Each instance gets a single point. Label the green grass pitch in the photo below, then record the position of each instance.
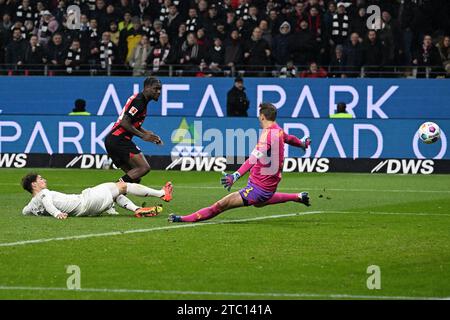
(400, 223)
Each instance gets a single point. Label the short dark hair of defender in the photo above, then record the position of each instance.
(268, 110)
(28, 180)
(150, 81)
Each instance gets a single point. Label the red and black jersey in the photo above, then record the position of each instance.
(136, 109)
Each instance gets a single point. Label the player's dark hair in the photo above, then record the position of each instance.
(268, 110)
(151, 81)
(28, 180)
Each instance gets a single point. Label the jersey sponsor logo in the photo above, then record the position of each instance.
(258, 154)
(217, 164)
(306, 165)
(133, 111)
(13, 160)
(404, 166)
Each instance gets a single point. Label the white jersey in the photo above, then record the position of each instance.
(92, 201)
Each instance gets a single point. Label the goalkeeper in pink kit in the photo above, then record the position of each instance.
(265, 165)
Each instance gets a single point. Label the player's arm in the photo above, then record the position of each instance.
(296, 142)
(144, 131)
(46, 198)
(145, 135)
(27, 210)
(260, 150)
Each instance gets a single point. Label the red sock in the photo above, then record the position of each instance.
(203, 214)
(283, 197)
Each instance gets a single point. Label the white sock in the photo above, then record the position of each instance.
(143, 191)
(126, 203)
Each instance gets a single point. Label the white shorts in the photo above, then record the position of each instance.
(95, 200)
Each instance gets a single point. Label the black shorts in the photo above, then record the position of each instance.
(120, 149)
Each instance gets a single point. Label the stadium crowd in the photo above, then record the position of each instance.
(284, 38)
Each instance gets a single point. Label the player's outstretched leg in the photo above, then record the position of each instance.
(166, 193)
(279, 197)
(233, 200)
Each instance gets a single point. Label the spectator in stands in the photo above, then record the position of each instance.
(233, 50)
(280, 44)
(138, 61)
(299, 16)
(15, 51)
(338, 63)
(80, 108)
(173, 21)
(427, 59)
(110, 16)
(124, 9)
(179, 39)
(212, 20)
(301, 45)
(100, 16)
(444, 51)
(354, 53)
(253, 18)
(6, 23)
(190, 54)
(341, 112)
(129, 39)
(327, 24)
(289, 71)
(114, 32)
(266, 32)
(237, 101)
(193, 23)
(161, 56)
(34, 57)
(216, 56)
(24, 11)
(125, 24)
(221, 31)
(339, 31)
(143, 8)
(203, 40)
(373, 55)
(107, 52)
(314, 71)
(390, 37)
(47, 27)
(56, 54)
(256, 53)
(358, 23)
(29, 29)
(75, 58)
(274, 21)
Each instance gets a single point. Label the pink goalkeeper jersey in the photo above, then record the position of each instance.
(269, 157)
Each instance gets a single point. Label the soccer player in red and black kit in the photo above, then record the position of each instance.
(119, 145)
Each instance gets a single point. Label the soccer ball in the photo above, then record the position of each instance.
(429, 132)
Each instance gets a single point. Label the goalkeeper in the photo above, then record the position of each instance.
(265, 165)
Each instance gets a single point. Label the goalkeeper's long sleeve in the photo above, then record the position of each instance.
(293, 140)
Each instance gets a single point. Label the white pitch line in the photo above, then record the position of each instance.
(235, 294)
(178, 226)
(192, 225)
(393, 213)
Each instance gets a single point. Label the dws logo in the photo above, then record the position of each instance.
(306, 165)
(16, 160)
(405, 166)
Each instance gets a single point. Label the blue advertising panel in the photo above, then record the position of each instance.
(206, 97)
(340, 138)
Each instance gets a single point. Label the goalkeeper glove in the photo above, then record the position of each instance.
(228, 179)
(306, 141)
